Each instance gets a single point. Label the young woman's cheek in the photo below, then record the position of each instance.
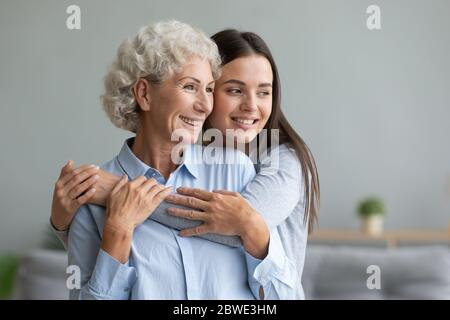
(221, 112)
(265, 110)
(217, 119)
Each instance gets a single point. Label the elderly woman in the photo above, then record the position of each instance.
(162, 83)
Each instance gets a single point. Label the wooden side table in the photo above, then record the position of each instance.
(391, 237)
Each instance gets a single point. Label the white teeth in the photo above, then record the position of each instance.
(244, 121)
(189, 121)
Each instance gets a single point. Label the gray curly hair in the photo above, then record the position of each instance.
(155, 53)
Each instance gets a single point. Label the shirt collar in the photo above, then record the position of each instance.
(134, 167)
(131, 164)
(192, 157)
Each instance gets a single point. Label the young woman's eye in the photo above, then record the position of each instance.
(264, 93)
(234, 91)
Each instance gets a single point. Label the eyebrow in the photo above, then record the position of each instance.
(195, 79)
(267, 84)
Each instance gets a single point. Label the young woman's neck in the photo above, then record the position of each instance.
(154, 151)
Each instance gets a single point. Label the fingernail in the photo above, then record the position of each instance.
(92, 190)
(96, 177)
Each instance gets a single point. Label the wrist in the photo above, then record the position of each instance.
(116, 241)
(251, 221)
(57, 225)
(118, 227)
(256, 237)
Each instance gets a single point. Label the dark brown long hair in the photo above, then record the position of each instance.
(233, 44)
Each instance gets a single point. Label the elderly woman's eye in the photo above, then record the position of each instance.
(189, 87)
(210, 90)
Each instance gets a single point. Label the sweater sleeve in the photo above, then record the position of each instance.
(160, 215)
(273, 193)
(277, 188)
(63, 235)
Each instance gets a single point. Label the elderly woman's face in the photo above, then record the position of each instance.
(182, 102)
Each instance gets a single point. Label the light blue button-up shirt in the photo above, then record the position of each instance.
(164, 265)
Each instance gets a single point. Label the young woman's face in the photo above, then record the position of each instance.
(243, 97)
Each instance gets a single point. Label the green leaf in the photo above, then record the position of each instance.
(8, 268)
(371, 206)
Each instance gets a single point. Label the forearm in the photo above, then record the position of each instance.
(256, 236)
(160, 215)
(59, 222)
(117, 242)
(108, 181)
(101, 275)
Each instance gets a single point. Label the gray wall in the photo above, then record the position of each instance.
(373, 105)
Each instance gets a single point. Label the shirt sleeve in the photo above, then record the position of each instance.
(100, 275)
(274, 277)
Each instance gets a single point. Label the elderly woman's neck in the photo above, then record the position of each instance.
(155, 153)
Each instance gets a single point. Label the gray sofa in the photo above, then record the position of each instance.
(330, 272)
(42, 276)
(340, 272)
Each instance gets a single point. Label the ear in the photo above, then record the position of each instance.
(141, 91)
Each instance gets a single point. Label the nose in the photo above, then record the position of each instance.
(249, 103)
(204, 103)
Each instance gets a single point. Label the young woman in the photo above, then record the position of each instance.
(286, 193)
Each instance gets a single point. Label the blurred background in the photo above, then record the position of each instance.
(373, 105)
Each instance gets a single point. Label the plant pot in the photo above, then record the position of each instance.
(373, 224)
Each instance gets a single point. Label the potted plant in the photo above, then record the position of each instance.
(8, 268)
(371, 210)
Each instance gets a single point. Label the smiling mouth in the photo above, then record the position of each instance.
(246, 122)
(190, 121)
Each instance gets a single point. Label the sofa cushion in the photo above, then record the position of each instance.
(42, 275)
(336, 272)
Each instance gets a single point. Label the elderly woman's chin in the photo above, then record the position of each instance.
(188, 130)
